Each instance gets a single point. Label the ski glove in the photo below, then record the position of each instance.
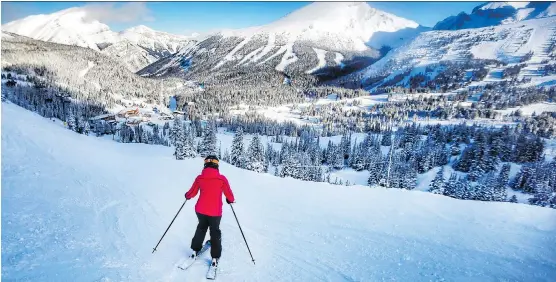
(228, 201)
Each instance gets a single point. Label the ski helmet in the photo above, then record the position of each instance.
(211, 161)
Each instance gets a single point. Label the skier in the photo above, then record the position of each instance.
(209, 207)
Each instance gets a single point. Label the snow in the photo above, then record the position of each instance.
(70, 26)
(486, 50)
(97, 220)
(425, 179)
(528, 110)
(230, 56)
(334, 25)
(137, 47)
(354, 177)
(338, 59)
(288, 58)
(267, 48)
(549, 12)
(287, 113)
(497, 5)
(321, 54)
(90, 65)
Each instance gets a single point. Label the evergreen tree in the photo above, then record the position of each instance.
(208, 143)
(450, 188)
(237, 156)
(543, 194)
(70, 120)
(189, 145)
(179, 143)
(438, 184)
(387, 138)
(358, 158)
(255, 155)
(177, 125)
(87, 128)
(513, 199)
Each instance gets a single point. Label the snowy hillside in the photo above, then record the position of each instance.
(137, 47)
(321, 34)
(141, 46)
(67, 219)
(435, 52)
(495, 13)
(70, 27)
(83, 74)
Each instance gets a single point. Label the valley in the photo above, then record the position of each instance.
(427, 152)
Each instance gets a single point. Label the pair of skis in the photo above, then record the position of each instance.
(211, 274)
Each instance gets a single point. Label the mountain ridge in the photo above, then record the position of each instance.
(73, 26)
(497, 13)
(318, 36)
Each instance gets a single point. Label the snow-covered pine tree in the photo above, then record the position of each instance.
(70, 120)
(450, 187)
(177, 125)
(87, 128)
(291, 166)
(386, 138)
(179, 143)
(486, 189)
(189, 145)
(437, 185)
(237, 155)
(358, 158)
(208, 143)
(144, 136)
(338, 157)
(543, 195)
(255, 155)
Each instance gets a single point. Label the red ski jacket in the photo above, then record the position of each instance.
(212, 184)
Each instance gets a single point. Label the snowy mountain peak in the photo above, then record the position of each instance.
(71, 26)
(343, 25)
(137, 47)
(348, 18)
(498, 5)
(140, 29)
(497, 13)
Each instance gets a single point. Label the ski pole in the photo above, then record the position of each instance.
(169, 225)
(242, 234)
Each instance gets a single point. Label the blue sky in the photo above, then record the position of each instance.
(188, 17)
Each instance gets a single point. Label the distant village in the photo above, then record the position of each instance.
(137, 114)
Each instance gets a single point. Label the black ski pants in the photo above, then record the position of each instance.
(205, 222)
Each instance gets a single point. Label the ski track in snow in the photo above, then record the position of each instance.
(81, 208)
(289, 57)
(267, 48)
(230, 56)
(321, 55)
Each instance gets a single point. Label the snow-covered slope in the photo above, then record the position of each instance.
(495, 13)
(82, 73)
(509, 43)
(81, 208)
(291, 43)
(141, 46)
(71, 27)
(136, 47)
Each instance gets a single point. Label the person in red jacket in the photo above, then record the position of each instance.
(209, 206)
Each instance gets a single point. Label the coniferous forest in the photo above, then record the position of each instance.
(468, 161)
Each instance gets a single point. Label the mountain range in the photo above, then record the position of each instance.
(496, 13)
(136, 47)
(323, 41)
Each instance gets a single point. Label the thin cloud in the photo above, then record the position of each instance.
(125, 13)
